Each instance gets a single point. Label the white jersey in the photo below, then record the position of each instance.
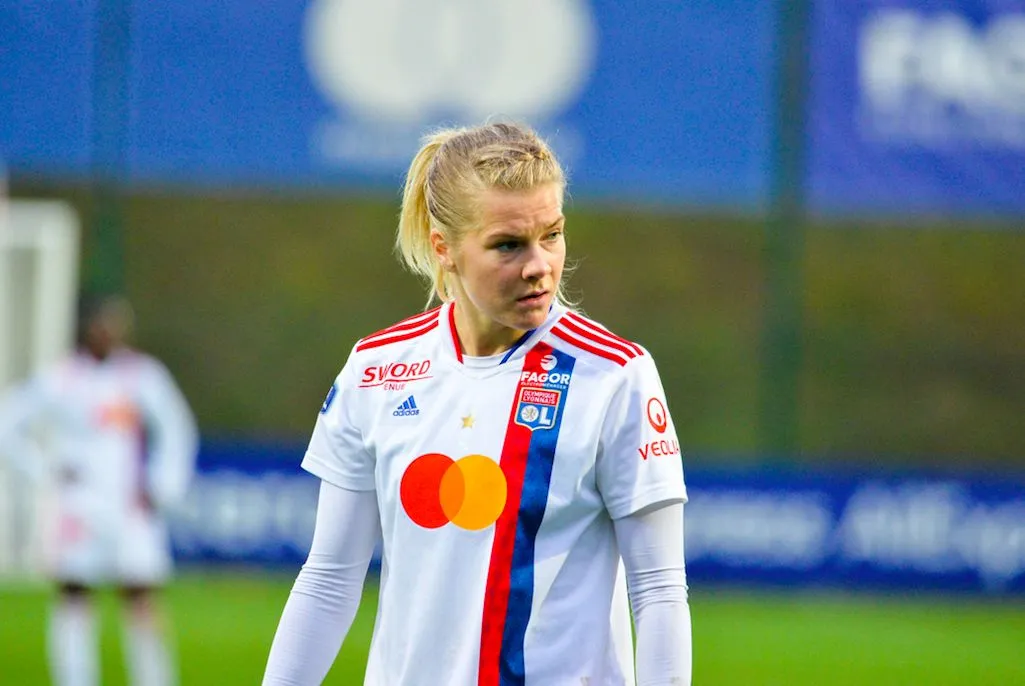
(121, 443)
(498, 479)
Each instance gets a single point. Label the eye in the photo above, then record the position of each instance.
(506, 246)
(554, 235)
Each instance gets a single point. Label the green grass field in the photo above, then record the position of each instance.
(224, 624)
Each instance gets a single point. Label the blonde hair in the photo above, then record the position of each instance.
(446, 180)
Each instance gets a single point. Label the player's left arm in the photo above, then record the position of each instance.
(651, 543)
(172, 438)
(640, 477)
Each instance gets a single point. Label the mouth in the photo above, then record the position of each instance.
(535, 298)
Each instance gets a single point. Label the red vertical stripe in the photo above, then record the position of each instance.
(496, 593)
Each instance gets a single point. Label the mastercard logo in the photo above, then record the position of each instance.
(469, 492)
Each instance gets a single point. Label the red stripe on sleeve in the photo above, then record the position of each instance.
(607, 341)
(584, 321)
(378, 342)
(583, 345)
(404, 325)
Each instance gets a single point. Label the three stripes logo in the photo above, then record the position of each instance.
(408, 408)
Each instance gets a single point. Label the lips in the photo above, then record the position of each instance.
(533, 297)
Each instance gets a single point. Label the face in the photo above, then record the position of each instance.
(508, 270)
(107, 329)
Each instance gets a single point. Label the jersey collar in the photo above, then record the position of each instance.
(517, 351)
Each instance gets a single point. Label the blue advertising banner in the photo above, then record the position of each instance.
(253, 505)
(917, 106)
(249, 504)
(662, 101)
(895, 532)
(46, 81)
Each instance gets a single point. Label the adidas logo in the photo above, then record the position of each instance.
(408, 408)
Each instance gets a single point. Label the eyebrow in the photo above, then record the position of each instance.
(512, 233)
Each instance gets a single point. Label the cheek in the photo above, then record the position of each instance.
(558, 260)
(502, 278)
(486, 278)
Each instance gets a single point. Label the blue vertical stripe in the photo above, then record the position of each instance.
(533, 500)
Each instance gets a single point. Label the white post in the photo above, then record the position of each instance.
(5, 286)
(7, 485)
(42, 300)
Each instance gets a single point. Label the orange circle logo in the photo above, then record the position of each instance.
(657, 415)
(469, 492)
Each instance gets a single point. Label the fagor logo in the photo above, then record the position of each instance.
(940, 80)
(424, 60)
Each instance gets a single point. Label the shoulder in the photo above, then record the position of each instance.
(132, 360)
(395, 353)
(135, 366)
(594, 344)
(408, 329)
(67, 370)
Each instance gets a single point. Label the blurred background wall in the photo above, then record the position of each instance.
(811, 213)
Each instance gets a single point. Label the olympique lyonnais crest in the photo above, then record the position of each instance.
(536, 408)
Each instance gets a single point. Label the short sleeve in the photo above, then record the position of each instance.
(639, 461)
(337, 453)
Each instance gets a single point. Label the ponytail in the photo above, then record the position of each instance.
(415, 220)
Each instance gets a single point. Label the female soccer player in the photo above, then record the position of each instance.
(508, 453)
(122, 441)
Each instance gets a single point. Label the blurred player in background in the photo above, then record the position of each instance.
(115, 432)
(510, 453)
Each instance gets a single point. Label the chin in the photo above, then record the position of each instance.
(524, 318)
(533, 319)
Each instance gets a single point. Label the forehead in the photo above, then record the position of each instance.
(521, 210)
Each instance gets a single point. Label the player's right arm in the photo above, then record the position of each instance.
(326, 594)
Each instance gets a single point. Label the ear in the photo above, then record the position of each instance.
(443, 251)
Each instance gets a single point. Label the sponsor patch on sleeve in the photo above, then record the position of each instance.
(329, 399)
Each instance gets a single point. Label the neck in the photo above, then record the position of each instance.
(99, 352)
(98, 355)
(481, 337)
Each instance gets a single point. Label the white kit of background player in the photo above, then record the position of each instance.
(114, 430)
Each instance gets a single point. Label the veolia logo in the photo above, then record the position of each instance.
(657, 415)
(420, 60)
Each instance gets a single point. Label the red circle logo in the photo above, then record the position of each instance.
(657, 416)
(469, 492)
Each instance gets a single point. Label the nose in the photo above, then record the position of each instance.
(536, 265)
